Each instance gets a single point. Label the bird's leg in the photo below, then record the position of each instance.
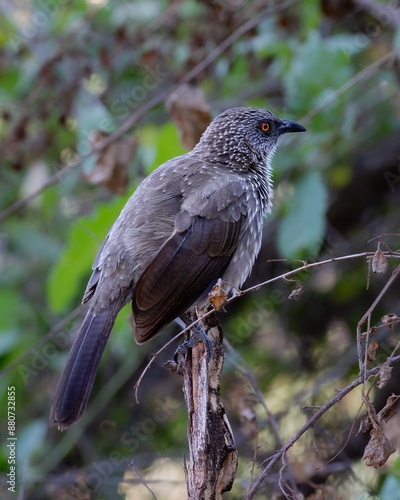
(199, 335)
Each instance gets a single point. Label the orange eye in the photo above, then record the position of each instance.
(265, 127)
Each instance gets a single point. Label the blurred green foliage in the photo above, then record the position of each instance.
(69, 67)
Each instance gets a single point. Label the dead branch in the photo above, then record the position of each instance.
(246, 371)
(140, 477)
(363, 357)
(361, 75)
(49, 335)
(135, 117)
(339, 396)
(239, 293)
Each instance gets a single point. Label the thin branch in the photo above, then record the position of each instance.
(339, 396)
(143, 110)
(247, 372)
(361, 75)
(311, 265)
(281, 481)
(386, 14)
(153, 357)
(240, 293)
(367, 316)
(142, 481)
(347, 439)
(59, 326)
(102, 399)
(254, 459)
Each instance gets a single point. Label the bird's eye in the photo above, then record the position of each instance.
(265, 127)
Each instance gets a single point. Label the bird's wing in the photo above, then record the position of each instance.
(184, 270)
(94, 278)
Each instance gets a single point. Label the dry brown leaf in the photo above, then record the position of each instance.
(365, 425)
(111, 169)
(370, 406)
(378, 450)
(389, 319)
(371, 355)
(190, 112)
(218, 295)
(379, 261)
(371, 332)
(388, 411)
(295, 295)
(385, 372)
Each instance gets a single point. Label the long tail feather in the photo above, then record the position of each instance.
(76, 380)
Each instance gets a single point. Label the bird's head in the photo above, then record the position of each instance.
(244, 137)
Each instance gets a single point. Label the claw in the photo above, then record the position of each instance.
(199, 335)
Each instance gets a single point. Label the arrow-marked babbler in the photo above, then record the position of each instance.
(195, 219)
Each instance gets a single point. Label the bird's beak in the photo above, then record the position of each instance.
(289, 126)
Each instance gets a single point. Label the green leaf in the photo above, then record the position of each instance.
(390, 489)
(86, 235)
(84, 240)
(30, 440)
(167, 145)
(9, 301)
(159, 144)
(302, 230)
(9, 80)
(310, 13)
(396, 40)
(327, 62)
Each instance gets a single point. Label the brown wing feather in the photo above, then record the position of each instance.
(185, 268)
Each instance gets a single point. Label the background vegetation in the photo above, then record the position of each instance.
(69, 68)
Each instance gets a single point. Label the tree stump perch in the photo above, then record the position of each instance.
(213, 455)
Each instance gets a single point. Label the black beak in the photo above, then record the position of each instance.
(289, 126)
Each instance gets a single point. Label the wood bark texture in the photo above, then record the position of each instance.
(213, 455)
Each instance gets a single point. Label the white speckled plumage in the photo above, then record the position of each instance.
(196, 218)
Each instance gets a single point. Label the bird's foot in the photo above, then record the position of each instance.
(199, 335)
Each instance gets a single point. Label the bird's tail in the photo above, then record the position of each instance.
(76, 380)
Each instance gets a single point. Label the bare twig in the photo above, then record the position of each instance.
(361, 75)
(281, 481)
(240, 293)
(247, 372)
(153, 356)
(59, 326)
(102, 399)
(134, 118)
(142, 481)
(306, 267)
(367, 316)
(348, 437)
(341, 393)
(254, 459)
(339, 396)
(386, 14)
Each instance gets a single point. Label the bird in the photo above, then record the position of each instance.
(194, 220)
